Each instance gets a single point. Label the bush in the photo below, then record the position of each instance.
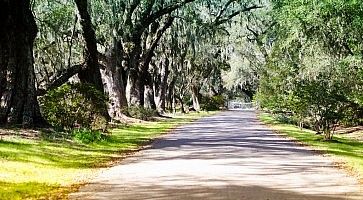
(74, 105)
(212, 103)
(285, 118)
(87, 136)
(141, 112)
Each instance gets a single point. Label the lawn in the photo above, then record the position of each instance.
(49, 169)
(347, 151)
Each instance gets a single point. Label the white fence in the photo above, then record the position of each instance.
(236, 105)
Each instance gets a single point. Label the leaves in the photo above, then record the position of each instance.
(314, 68)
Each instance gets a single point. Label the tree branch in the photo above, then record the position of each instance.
(60, 78)
(167, 10)
(219, 20)
(155, 43)
(225, 7)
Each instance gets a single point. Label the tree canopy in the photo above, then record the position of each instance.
(299, 57)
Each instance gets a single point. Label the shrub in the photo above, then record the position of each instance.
(285, 118)
(212, 103)
(74, 105)
(87, 135)
(141, 112)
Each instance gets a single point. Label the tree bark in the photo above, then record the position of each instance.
(182, 109)
(91, 72)
(195, 97)
(163, 85)
(149, 93)
(113, 80)
(171, 96)
(150, 44)
(18, 103)
(133, 89)
(59, 79)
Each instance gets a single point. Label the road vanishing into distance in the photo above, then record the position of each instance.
(227, 156)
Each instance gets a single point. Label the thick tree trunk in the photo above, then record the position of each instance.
(182, 109)
(18, 103)
(134, 89)
(174, 102)
(113, 80)
(149, 93)
(150, 44)
(149, 97)
(91, 72)
(195, 98)
(170, 96)
(142, 85)
(163, 85)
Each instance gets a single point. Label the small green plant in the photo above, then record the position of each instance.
(75, 106)
(141, 112)
(87, 136)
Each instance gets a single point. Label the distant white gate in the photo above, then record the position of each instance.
(236, 105)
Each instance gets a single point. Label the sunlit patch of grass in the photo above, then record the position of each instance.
(34, 169)
(32, 190)
(346, 150)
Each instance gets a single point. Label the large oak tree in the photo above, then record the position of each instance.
(18, 103)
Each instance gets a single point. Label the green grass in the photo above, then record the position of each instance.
(33, 169)
(348, 151)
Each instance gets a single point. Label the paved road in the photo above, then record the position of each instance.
(227, 156)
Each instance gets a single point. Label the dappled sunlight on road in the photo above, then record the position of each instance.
(228, 156)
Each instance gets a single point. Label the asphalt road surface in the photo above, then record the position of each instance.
(227, 156)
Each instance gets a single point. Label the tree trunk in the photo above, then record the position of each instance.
(133, 89)
(162, 89)
(195, 97)
(149, 97)
(182, 110)
(150, 43)
(149, 93)
(171, 96)
(113, 80)
(18, 103)
(174, 102)
(91, 72)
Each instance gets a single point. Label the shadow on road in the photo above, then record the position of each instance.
(227, 156)
(233, 192)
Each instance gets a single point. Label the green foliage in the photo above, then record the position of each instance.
(285, 118)
(74, 105)
(88, 136)
(336, 23)
(212, 103)
(58, 44)
(321, 99)
(141, 112)
(314, 69)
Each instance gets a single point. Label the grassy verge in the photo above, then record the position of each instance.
(33, 169)
(347, 151)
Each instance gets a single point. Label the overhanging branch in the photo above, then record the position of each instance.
(221, 20)
(59, 79)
